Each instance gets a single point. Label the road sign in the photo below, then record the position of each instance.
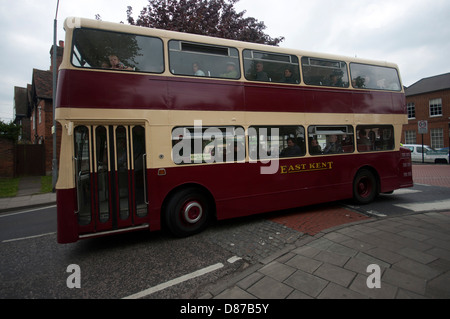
(423, 127)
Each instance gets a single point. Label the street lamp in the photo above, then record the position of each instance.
(55, 70)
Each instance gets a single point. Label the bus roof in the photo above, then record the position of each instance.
(76, 22)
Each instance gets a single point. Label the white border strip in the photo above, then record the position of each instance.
(26, 211)
(29, 237)
(175, 281)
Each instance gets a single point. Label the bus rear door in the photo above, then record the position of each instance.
(110, 165)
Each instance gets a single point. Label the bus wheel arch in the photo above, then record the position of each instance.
(187, 210)
(366, 185)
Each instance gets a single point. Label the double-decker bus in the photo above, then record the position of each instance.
(169, 130)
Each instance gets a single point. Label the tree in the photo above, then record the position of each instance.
(216, 18)
(9, 130)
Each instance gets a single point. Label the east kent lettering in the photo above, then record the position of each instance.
(306, 167)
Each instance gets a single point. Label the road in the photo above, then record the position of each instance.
(156, 265)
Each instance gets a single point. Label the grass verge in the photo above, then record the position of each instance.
(9, 187)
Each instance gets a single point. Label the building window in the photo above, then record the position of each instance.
(435, 107)
(411, 110)
(410, 137)
(437, 138)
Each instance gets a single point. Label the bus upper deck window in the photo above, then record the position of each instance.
(271, 67)
(100, 49)
(324, 72)
(375, 77)
(203, 60)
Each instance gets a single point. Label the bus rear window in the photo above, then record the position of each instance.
(100, 49)
(366, 76)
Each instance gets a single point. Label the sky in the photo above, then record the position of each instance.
(414, 34)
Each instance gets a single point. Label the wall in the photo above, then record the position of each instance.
(7, 160)
(421, 102)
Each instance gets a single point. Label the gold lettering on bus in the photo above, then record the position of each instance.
(306, 167)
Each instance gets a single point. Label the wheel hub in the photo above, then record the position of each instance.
(192, 212)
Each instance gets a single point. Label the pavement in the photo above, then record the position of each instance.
(402, 257)
(28, 196)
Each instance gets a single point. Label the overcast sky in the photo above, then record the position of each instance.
(415, 34)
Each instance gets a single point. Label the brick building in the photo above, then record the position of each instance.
(429, 100)
(33, 108)
(21, 112)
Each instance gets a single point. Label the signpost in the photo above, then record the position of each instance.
(423, 129)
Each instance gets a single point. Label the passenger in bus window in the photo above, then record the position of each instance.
(336, 78)
(292, 149)
(236, 152)
(314, 147)
(288, 76)
(260, 74)
(116, 64)
(333, 145)
(196, 69)
(231, 72)
(363, 140)
(347, 144)
(361, 82)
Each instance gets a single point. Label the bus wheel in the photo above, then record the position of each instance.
(364, 187)
(187, 212)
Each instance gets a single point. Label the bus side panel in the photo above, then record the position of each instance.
(375, 102)
(78, 90)
(191, 94)
(239, 189)
(404, 165)
(67, 225)
(157, 92)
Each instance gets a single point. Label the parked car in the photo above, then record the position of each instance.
(430, 155)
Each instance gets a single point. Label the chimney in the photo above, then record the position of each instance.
(59, 55)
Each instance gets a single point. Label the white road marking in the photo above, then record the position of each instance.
(28, 237)
(375, 213)
(233, 259)
(403, 191)
(428, 206)
(26, 211)
(175, 281)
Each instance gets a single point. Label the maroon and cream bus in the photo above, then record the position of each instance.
(166, 129)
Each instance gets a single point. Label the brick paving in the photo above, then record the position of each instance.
(315, 220)
(435, 175)
(312, 221)
(331, 258)
(412, 253)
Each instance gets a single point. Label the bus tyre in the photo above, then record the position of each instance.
(187, 212)
(365, 187)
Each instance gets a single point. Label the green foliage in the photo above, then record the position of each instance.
(9, 187)
(9, 130)
(216, 18)
(46, 184)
